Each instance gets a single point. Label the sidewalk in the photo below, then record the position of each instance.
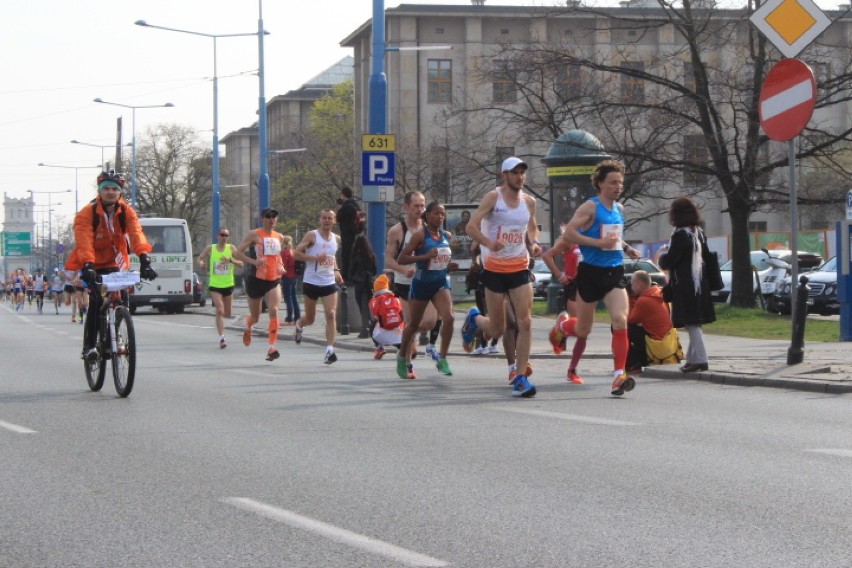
(827, 367)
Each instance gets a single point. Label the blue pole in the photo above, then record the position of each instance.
(378, 124)
(133, 164)
(263, 149)
(216, 200)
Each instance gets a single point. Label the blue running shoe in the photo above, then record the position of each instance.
(521, 386)
(469, 329)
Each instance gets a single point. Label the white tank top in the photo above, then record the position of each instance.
(399, 277)
(508, 226)
(321, 273)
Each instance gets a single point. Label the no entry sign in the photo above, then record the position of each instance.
(787, 99)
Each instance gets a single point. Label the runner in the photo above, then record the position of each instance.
(598, 227)
(318, 250)
(430, 249)
(414, 204)
(18, 289)
(56, 285)
(221, 281)
(39, 287)
(502, 224)
(264, 279)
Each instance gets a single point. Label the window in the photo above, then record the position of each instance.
(632, 87)
(504, 81)
(689, 76)
(757, 226)
(568, 83)
(695, 155)
(439, 79)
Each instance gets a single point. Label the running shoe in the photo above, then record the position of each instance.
(514, 372)
(272, 355)
(623, 383)
(380, 352)
(557, 337)
(522, 387)
(480, 351)
(432, 352)
(297, 334)
(330, 357)
(222, 343)
(493, 349)
(469, 329)
(247, 332)
(401, 367)
(73, 319)
(91, 355)
(410, 372)
(444, 367)
(574, 378)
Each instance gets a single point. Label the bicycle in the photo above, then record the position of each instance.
(116, 340)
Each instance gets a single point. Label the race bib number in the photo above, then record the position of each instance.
(271, 246)
(442, 261)
(326, 266)
(613, 230)
(514, 244)
(222, 268)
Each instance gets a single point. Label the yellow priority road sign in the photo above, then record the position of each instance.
(791, 25)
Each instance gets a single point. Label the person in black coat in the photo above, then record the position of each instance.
(362, 271)
(692, 305)
(346, 217)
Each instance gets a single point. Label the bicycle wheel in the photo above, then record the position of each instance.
(95, 370)
(124, 358)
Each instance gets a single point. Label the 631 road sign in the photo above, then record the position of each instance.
(787, 99)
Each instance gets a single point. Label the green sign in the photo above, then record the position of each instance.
(16, 244)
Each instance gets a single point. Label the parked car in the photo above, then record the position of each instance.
(543, 277)
(658, 277)
(198, 296)
(767, 276)
(822, 298)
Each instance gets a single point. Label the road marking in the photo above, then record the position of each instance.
(173, 324)
(571, 417)
(334, 533)
(16, 429)
(832, 452)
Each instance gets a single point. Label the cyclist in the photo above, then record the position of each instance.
(101, 231)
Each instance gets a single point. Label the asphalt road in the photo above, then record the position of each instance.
(220, 458)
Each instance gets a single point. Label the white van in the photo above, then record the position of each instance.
(171, 257)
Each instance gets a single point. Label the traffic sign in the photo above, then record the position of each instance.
(787, 99)
(378, 142)
(791, 25)
(16, 244)
(378, 168)
(849, 204)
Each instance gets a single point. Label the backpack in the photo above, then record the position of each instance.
(96, 219)
(360, 223)
(388, 310)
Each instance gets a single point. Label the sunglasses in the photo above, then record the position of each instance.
(224, 235)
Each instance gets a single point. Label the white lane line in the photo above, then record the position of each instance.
(15, 428)
(832, 452)
(172, 324)
(337, 534)
(571, 417)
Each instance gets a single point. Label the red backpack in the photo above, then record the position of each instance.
(388, 310)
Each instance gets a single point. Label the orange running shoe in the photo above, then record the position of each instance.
(623, 383)
(514, 372)
(557, 337)
(574, 378)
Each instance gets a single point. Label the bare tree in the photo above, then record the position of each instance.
(673, 90)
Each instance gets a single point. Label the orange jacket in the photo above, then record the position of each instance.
(651, 312)
(103, 246)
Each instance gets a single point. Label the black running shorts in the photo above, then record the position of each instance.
(595, 282)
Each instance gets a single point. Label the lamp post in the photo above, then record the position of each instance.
(263, 142)
(101, 146)
(216, 198)
(76, 186)
(49, 216)
(133, 160)
(378, 124)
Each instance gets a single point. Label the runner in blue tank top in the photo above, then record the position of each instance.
(429, 248)
(598, 227)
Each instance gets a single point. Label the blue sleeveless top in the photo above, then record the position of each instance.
(603, 216)
(436, 268)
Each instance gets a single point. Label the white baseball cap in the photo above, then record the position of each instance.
(511, 163)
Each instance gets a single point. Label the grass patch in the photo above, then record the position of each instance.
(737, 322)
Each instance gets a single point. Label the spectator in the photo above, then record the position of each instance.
(289, 281)
(346, 217)
(461, 227)
(692, 304)
(362, 270)
(649, 317)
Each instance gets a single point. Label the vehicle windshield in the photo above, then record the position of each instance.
(829, 266)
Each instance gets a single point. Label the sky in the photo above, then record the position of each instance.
(59, 55)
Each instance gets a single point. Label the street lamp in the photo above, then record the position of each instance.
(101, 146)
(263, 142)
(49, 214)
(76, 170)
(216, 199)
(133, 164)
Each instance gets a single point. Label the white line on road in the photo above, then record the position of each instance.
(334, 533)
(15, 428)
(571, 417)
(832, 452)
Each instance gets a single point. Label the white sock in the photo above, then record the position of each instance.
(329, 349)
(221, 338)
